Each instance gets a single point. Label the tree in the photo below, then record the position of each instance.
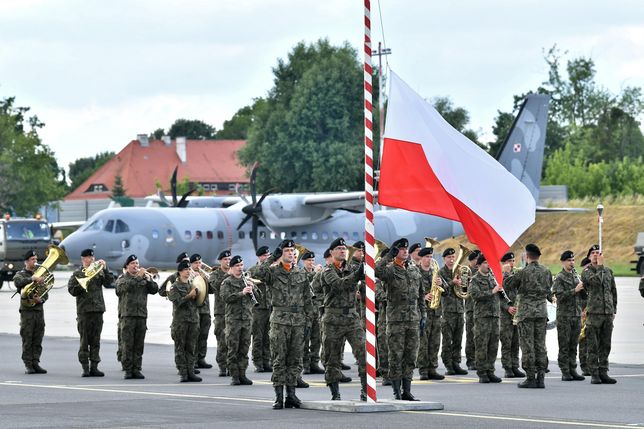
(157, 134)
(236, 128)
(192, 129)
(118, 190)
(81, 169)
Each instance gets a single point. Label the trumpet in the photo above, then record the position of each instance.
(151, 273)
(249, 281)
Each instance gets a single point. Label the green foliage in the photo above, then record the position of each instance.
(192, 129)
(157, 134)
(118, 190)
(82, 168)
(236, 128)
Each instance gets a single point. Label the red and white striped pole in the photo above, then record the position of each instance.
(369, 226)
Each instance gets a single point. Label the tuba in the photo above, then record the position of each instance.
(379, 246)
(55, 255)
(90, 272)
(462, 271)
(299, 252)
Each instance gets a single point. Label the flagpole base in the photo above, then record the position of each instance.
(386, 405)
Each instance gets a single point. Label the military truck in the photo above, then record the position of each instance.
(17, 236)
(639, 251)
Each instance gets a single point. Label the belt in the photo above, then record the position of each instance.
(342, 310)
(292, 309)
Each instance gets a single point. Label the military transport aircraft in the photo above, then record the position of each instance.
(156, 235)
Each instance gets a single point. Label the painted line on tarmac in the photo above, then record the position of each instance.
(530, 420)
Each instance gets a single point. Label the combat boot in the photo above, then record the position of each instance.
(541, 379)
(344, 378)
(575, 376)
(85, 369)
(315, 369)
(128, 375)
(483, 378)
(335, 391)
(424, 376)
(136, 374)
(395, 384)
(268, 368)
(29, 369)
(306, 370)
(470, 365)
(344, 367)
(245, 381)
(509, 373)
(39, 369)
(235, 381)
(363, 388)
(192, 377)
(406, 394)
(279, 397)
(291, 400)
(449, 369)
(566, 376)
(528, 383)
(603, 376)
(433, 375)
(301, 384)
(223, 372)
(94, 371)
(458, 370)
(517, 372)
(585, 371)
(195, 370)
(493, 378)
(201, 363)
(183, 376)
(594, 379)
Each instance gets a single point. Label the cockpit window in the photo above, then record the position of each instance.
(121, 227)
(97, 225)
(109, 226)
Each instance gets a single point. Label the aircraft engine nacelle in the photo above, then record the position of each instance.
(290, 211)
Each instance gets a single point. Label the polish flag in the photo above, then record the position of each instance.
(429, 167)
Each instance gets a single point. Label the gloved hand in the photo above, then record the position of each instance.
(360, 272)
(277, 253)
(422, 324)
(393, 252)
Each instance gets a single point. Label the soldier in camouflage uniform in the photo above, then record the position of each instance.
(567, 287)
(341, 321)
(219, 313)
(236, 293)
(452, 322)
(167, 284)
(484, 291)
(90, 307)
(381, 333)
(311, 345)
(599, 283)
(261, 347)
(430, 340)
(133, 288)
(470, 344)
(32, 317)
(289, 295)
(204, 314)
(185, 322)
(508, 331)
(533, 284)
(583, 340)
(406, 315)
(414, 253)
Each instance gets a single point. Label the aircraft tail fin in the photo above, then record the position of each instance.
(522, 151)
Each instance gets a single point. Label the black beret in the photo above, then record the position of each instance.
(195, 257)
(472, 256)
(533, 248)
(426, 251)
(507, 257)
(262, 251)
(287, 243)
(480, 259)
(236, 260)
(183, 265)
(585, 262)
(224, 254)
(592, 248)
(327, 253)
(448, 251)
(401, 243)
(567, 255)
(308, 255)
(182, 256)
(337, 242)
(414, 247)
(29, 254)
(129, 259)
(87, 252)
(359, 245)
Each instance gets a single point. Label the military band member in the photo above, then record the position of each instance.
(204, 314)
(599, 282)
(484, 291)
(567, 287)
(583, 340)
(219, 312)
(406, 315)
(414, 253)
(261, 347)
(452, 322)
(185, 323)
(90, 307)
(470, 344)
(238, 296)
(32, 316)
(430, 340)
(508, 331)
(133, 288)
(312, 340)
(167, 284)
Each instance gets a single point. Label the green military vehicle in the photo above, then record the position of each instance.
(639, 251)
(17, 236)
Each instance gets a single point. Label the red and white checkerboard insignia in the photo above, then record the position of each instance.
(517, 147)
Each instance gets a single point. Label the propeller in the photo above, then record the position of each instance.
(253, 209)
(183, 202)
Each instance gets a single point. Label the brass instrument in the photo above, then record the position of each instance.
(582, 333)
(91, 271)
(436, 291)
(299, 252)
(462, 271)
(249, 281)
(207, 269)
(379, 246)
(55, 256)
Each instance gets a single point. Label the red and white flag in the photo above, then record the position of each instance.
(429, 167)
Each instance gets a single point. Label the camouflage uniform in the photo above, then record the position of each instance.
(583, 341)
(486, 319)
(318, 304)
(219, 311)
(204, 326)
(452, 322)
(568, 319)
(381, 330)
(32, 322)
(599, 283)
(508, 331)
(239, 316)
(261, 347)
(133, 292)
(90, 307)
(430, 340)
(311, 351)
(470, 341)
(185, 326)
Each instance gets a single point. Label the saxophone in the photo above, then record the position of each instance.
(436, 291)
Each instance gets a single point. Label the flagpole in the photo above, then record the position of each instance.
(370, 289)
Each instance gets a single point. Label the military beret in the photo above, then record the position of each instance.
(287, 243)
(507, 257)
(480, 259)
(236, 260)
(426, 251)
(308, 255)
(401, 243)
(533, 248)
(592, 248)
(183, 265)
(449, 251)
(129, 259)
(327, 253)
(263, 250)
(567, 255)
(224, 254)
(413, 247)
(182, 256)
(87, 252)
(337, 242)
(195, 257)
(359, 245)
(29, 254)
(585, 262)
(472, 256)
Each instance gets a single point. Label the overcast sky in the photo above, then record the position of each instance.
(98, 72)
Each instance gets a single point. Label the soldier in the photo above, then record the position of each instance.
(133, 288)
(601, 309)
(533, 284)
(452, 321)
(381, 332)
(311, 351)
(185, 323)
(204, 314)
(414, 253)
(357, 259)
(470, 346)
(238, 296)
(484, 291)
(261, 348)
(219, 313)
(406, 315)
(583, 341)
(508, 331)
(341, 321)
(289, 294)
(32, 316)
(90, 307)
(430, 340)
(167, 284)
(567, 287)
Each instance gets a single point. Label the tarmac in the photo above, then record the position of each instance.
(62, 398)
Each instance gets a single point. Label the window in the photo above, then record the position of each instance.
(356, 236)
(314, 235)
(198, 235)
(262, 234)
(109, 226)
(282, 235)
(187, 235)
(155, 234)
(335, 235)
(273, 236)
(345, 235)
(220, 235)
(293, 234)
(97, 225)
(169, 238)
(121, 227)
(206, 186)
(209, 235)
(305, 235)
(241, 234)
(325, 236)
